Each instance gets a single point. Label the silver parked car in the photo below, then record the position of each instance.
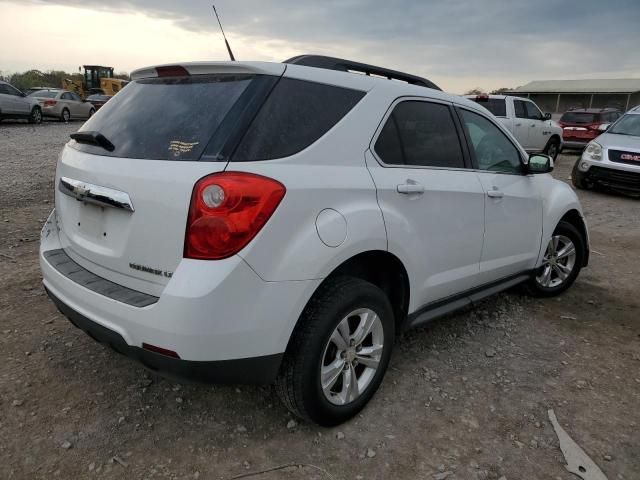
(613, 159)
(15, 104)
(63, 104)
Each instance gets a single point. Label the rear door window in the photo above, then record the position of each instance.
(169, 118)
(420, 134)
(295, 115)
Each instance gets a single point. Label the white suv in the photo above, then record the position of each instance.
(260, 222)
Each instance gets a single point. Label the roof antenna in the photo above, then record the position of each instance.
(233, 59)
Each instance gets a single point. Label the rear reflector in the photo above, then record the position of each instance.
(227, 210)
(172, 71)
(160, 350)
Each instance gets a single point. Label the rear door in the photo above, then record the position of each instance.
(433, 205)
(521, 123)
(513, 206)
(167, 133)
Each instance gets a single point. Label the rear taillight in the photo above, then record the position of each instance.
(50, 103)
(227, 210)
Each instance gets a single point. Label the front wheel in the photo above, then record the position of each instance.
(338, 353)
(563, 259)
(91, 112)
(36, 115)
(65, 116)
(552, 149)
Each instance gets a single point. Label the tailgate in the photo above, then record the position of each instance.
(138, 247)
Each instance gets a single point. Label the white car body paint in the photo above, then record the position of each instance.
(450, 239)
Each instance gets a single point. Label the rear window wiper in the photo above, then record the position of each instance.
(93, 138)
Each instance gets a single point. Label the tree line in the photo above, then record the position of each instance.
(51, 78)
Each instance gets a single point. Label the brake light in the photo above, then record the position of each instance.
(172, 71)
(227, 210)
(50, 103)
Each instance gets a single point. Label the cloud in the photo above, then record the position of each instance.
(491, 42)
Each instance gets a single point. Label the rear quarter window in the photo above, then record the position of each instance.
(295, 115)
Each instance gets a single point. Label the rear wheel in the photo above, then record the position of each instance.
(563, 259)
(65, 116)
(36, 115)
(552, 149)
(338, 353)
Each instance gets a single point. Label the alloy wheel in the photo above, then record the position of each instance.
(558, 262)
(351, 356)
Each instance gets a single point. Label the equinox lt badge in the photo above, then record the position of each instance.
(154, 271)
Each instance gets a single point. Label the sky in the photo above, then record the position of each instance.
(458, 44)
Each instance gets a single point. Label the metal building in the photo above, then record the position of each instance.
(558, 96)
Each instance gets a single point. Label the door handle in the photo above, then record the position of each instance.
(533, 124)
(495, 193)
(410, 187)
(518, 124)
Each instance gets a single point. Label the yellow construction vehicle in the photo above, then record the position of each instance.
(96, 79)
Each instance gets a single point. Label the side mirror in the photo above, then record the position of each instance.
(547, 116)
(604, 127)
(539, 163)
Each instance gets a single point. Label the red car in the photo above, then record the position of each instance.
(98, 100)
(581, 125)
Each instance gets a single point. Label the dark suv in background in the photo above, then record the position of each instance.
(581, 125)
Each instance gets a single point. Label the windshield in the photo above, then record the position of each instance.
(580, 117)
(627, 125)
(497, 106)
(169, 118)
(44, 94)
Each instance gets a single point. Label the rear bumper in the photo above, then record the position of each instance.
(575, 144)
(256, 370)
(209, 313)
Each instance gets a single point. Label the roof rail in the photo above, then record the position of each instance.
(332, 63)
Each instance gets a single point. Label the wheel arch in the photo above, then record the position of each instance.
(384, 270)
(574, 217)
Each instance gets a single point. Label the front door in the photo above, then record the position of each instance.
(431, 202)
(513, 206)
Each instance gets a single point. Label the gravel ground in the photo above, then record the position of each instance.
(466, 397)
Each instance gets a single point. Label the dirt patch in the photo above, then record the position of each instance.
(467, 394)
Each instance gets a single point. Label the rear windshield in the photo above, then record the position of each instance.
(44, 94)
(217, 117)
(580, 117)
(497, 106)
(165, 118)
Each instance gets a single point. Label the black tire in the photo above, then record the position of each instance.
(553, 148)
(298, 383)
(578, 178)
(568, 230)
(36, 116)
(92, 112)
(65, 115)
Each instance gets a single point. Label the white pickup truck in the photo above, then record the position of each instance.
(534, 130)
